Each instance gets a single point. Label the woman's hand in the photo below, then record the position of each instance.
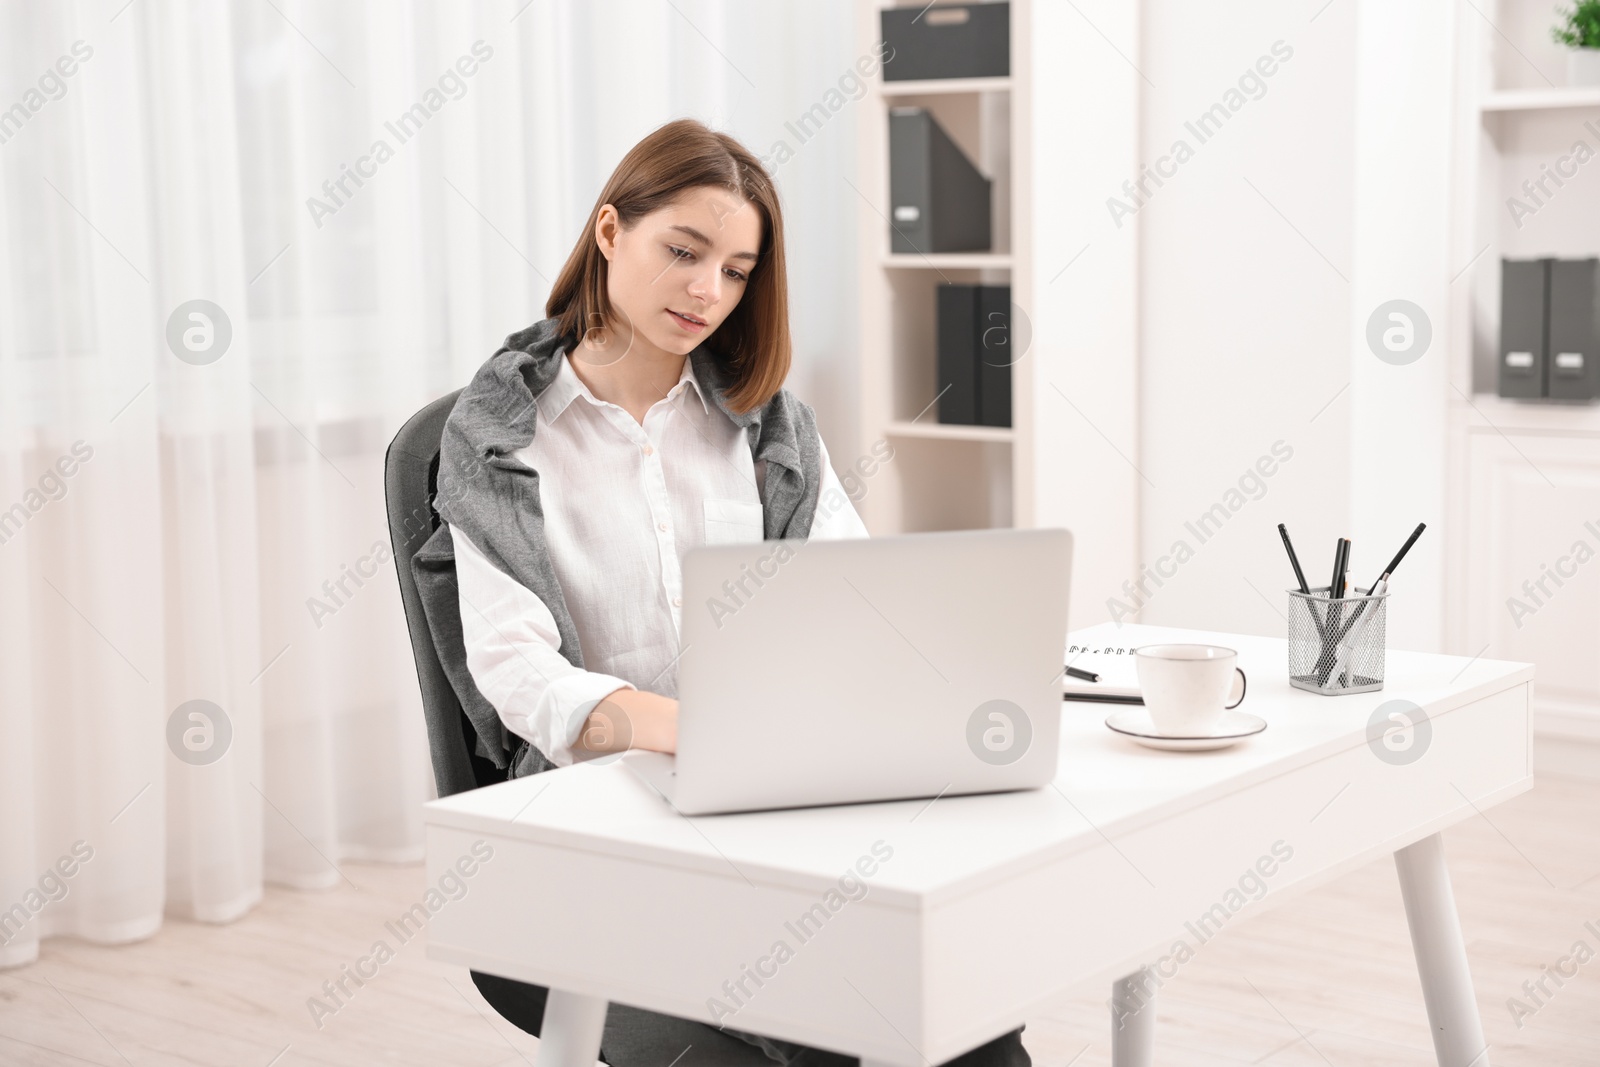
(630, 718)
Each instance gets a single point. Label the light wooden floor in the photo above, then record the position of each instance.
(1324, 979)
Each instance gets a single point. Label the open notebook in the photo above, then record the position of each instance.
(1119, 679)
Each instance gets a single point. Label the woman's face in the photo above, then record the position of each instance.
(681, 270)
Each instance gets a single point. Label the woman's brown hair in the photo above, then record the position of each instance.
(753, 344)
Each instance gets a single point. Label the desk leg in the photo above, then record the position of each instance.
(570, 1033)
(1133, 1020)
(1441, 955)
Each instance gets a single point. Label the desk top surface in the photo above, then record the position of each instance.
(1105, 784)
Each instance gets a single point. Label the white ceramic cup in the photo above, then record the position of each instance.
(1186, 688)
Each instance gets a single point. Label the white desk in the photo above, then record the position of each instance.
(990, 907)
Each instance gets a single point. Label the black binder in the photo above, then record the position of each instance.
(995, 355)
(958, 377)
(1573, 330)
(938, 201)
(975, 354)
(1524, 290)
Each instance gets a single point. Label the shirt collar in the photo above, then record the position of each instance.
(567, 386)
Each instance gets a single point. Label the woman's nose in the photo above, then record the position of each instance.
(706, 286)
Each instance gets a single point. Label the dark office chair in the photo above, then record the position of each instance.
(410, 481)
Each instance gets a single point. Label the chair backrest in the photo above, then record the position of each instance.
(410, 481)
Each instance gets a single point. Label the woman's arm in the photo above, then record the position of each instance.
(513, 655)
(630, 718)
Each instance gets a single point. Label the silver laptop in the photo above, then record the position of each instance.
(830, 672)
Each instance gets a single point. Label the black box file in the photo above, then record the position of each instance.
(958, 373)
(1573, 330)
(947, 41)
(975, 354)
(1549, 329)
(995, 355)
(1524, 289)
(939, 202)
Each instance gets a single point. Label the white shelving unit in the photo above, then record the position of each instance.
(1523, 475)
(942, 477)
(1514, 125)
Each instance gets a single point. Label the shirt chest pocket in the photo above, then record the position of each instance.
(733, 522)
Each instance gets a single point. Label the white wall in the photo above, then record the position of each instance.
(800, 56)
(752, 71)
(1085, 318)
(1244, 306)
(1402, 249)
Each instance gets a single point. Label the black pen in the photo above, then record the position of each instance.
(1087, 676)
(1387, 571)
(1341, 557)
(1341, 561)
(1325, 660)
(1294, 560)
(1400, 555)
(1300, 576)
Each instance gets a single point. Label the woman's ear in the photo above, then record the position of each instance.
(606, 225)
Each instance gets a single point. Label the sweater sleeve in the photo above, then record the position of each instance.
(514, 657)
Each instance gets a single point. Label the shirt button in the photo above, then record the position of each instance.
(677, 601)
(649, 449)
(661, 526)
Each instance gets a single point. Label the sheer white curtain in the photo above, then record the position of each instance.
(205, 679)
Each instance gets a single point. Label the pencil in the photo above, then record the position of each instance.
(1400, 555)
(1294, 561)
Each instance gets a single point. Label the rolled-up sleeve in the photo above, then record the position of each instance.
(514, 656)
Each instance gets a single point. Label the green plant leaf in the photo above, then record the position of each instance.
(1580, 25)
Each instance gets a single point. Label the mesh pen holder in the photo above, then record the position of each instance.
(1336, 646)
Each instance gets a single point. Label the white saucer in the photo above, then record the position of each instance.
(1233, 727)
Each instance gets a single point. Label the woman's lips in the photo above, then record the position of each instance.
(687, 323)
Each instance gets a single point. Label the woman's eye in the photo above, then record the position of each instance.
(684, 253)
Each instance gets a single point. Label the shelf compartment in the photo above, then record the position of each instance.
(912, 382)
(946, 484)
(980, 125)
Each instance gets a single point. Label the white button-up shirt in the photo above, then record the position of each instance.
(622, 503)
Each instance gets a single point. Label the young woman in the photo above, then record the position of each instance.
(651, 406)
(637, 461)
